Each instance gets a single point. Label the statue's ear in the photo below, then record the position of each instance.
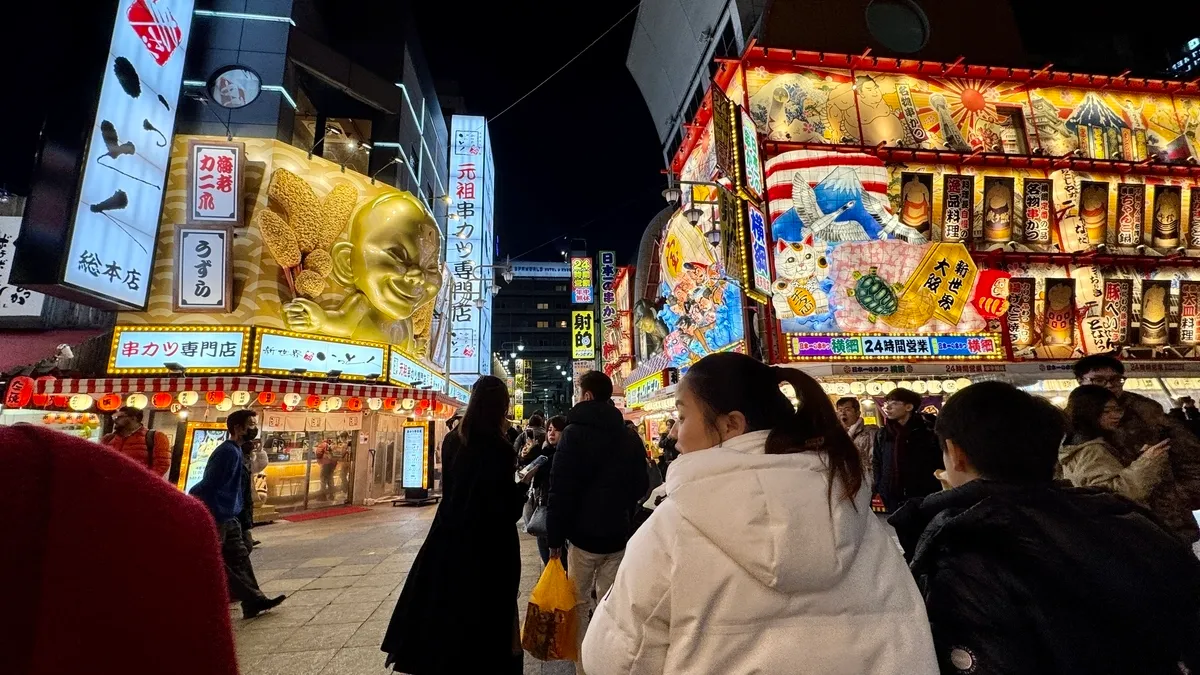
(341, 263)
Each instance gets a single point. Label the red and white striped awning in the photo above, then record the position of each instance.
(151, 385)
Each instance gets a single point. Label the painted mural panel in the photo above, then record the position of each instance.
(1117, 125)
(803, 106)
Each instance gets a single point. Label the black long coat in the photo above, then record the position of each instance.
(458, 610)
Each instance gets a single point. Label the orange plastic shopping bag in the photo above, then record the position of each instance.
(551, 620)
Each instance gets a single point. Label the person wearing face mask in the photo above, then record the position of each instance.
(765, 557)
(221, 490)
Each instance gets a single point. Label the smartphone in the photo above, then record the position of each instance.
(532, 466)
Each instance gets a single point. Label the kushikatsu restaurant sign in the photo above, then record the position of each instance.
(145, 350)
(407, 372)
(215, 182)
(808, 346)
(278, 352)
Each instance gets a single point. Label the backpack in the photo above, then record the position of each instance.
(150, 437)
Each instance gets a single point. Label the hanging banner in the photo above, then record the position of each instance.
(1156, 313)
(203, 268)
(1059, 320)
(1037, 211)
(751, 185)
(948, 272)
(1020, 311)
(756, 271)
(958, 204)
(1194, 218)
(469, 248)
(610, 330)
(1189, 313)
(998, 209)
(581, 280)
(1118, 309)
(583, 338)
(1071, 230)
(215, 176)
(724, 130)
(1131, 213)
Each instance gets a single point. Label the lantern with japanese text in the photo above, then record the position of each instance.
(323, 406)
(313, 401)
(267, 398)
(188, 398)
(390, 403)
(287, 408)
(138, 401)
(291, 400)
(20, 392)
(80, 402)
(240, 398)
(214, 397)
(161, 400)
(109, 402)
(374, 403)
(48, 418)
(225, 405)
(335, 402)
(42, 400)
(408, 403)
(422, 405)
(60, 400)
(354, 404)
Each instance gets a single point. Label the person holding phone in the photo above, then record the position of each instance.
(539, 476)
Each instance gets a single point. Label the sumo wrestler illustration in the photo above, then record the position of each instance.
(389, 263)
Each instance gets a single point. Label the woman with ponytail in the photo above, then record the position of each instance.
(765, 557)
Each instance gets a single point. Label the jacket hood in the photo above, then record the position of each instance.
(1096, 548)
(1066, 452)
(769, 513)
(598, 414)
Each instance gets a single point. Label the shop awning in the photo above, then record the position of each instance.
(149, 385)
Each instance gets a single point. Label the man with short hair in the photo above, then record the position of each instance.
(596, 481)
(1145, 424)
(905, 452)
(1022, 574)
(849, 413)
(149, 448)
(221, 490)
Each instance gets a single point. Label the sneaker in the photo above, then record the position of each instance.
(253, 609)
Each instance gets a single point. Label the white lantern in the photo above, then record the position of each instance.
(827, 388)
(374, 403)
(138, 401)
(858, 388)
(80, 402)
(935, 386)
(874, 388)
(962, 383)
(841, 388)
(335, 402)
(323, 406)
(919, 386)
(886, 386)
(408, 404)
(225, 405)
(291, 400)
(950, 386)
(239, 398)
(188, 398)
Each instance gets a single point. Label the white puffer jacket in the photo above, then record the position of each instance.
(742, 570)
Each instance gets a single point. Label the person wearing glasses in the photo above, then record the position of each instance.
(905, 454)
(1088, 458)
(1145, 425)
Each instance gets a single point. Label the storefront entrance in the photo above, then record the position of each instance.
(308, 469)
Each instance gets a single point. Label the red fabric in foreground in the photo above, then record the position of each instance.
(324, 513)
(107, 568)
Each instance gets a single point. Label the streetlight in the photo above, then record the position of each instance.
(520, 346)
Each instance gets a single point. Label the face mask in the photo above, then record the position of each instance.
(251, 434)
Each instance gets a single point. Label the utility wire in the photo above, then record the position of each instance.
(575, 229)
(564, 66)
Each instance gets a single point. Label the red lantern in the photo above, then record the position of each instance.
(267, 398)
(214, 397)
(20, 391)
(162, 400)
(109, 402)
(42, 400)
(423, 405)
(354, 404)
(390, 403)
(312, 401)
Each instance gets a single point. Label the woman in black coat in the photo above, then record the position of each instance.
(458, 610)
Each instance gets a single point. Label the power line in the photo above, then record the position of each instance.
(575, 229)
(564, 66)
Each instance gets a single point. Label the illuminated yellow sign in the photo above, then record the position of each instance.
(945, 274)
(583, 335)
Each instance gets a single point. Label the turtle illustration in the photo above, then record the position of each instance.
(874, 294)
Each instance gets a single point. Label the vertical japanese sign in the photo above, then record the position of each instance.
(1020, 311)
(111, 246)
(753, 184)
(724, 124)
(14, 300)
(1037, 211)
(215, 183)
(1118, 309)
(948, 273)
(958, 205)
(610, 328)
(469, 249)
(581, 281)
(1131, 213)
(203, 268)
(583, 335)
(578, 370)
(757, 271)
(1189, 312)
(1193, 231)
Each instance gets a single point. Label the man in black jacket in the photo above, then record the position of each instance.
(1022, 575)
(598, 476)
(905, 453)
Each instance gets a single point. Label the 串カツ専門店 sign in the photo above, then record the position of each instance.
(144, 350)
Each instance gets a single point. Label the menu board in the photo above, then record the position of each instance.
(413, 466)
(201, 439)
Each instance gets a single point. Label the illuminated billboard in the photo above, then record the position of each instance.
(581, 281)
(469, 249)
(583, 335)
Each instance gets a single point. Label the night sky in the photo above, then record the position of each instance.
(579, 157)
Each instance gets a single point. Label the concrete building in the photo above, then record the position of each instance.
(530, 322)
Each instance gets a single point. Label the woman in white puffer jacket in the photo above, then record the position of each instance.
(765, 558)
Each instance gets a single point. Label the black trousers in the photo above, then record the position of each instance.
(238, 570)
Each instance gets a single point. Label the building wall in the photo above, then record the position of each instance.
(519, 311)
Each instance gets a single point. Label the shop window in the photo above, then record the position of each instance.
(694, 105)
(543, 324)
(562, 324)
(727, 48)
(543, 305)
(561, 288)
(344, 143)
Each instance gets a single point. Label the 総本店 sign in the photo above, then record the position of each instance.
(407, 372)
(214, 194)
(583, 335)
(203, 268)
(279, 352)
(144, 350)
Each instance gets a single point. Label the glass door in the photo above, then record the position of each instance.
(331, 468)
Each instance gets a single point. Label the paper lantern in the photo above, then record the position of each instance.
(240, 398)
(291, 400)
(841, 388)
(950, 386)
(188, 398)
(408, 403)
(60, 401)
(138, 401)
(335, 402)
(874, 389)
(962, 383)
(934, 386)
(214, 397)
(390, 403)
(887, 386)
(919, 386)
(20, 392)
(288, 408)
(80, 402)
(323, 406)
(858, 388)
(354, 404)
(161, 400)
(109, 402)
(374, 403)
(48, 418)
(225, 405)
(42, 400)
(267, 398)
(62, 418)
(312, 401)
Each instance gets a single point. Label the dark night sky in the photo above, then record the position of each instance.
(580, 156)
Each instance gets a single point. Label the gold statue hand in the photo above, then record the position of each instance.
(304, 316)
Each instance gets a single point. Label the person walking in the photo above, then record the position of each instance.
(1144, 425)
(539, 489)
(598, 478)
(849, 413)
(1022, 574)
(766, 557)
(327, 463)
(221, 490)
(129, 437)
(666, 446)
(458, 610)
(110, 570)
(905, 453)
(1088, 458)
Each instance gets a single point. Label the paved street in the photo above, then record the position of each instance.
(343, 576)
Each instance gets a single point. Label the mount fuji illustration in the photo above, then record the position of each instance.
(1094, 112)
(839, 209)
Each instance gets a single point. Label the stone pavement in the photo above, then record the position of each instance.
(343, 576)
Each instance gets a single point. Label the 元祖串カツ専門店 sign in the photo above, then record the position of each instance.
(469, 249)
